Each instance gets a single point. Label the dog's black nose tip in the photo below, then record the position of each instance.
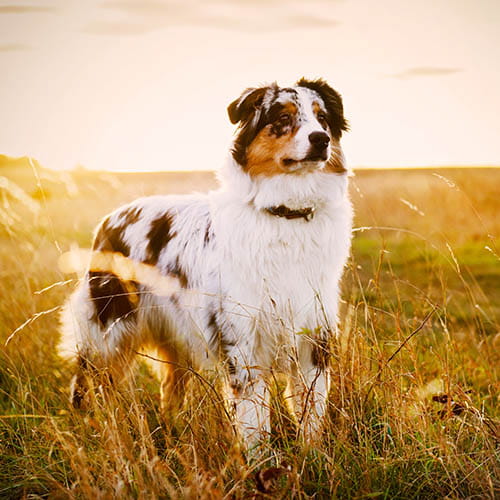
(319, 140)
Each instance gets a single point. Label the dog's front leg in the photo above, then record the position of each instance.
(313, 396)
(251, 400)
(309, 384)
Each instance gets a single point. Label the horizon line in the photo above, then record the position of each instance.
(362, 167)
(77, 167)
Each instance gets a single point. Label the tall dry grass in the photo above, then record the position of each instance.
(414, 406)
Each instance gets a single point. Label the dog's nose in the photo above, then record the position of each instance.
(319, 140)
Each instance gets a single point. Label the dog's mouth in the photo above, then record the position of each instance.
(312, 158)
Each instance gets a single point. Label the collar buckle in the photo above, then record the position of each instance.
(309, 216)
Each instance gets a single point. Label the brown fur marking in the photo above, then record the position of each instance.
(265, 153)
(335, 164)
(174, 379)
(316, 107)
(290, 107)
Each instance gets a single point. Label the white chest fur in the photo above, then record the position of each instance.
(284, 272)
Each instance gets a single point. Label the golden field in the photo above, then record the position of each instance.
(415, 400)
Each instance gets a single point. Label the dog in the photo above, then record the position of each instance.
(245, 277)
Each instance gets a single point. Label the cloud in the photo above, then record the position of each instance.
(423, 71)
(24, 9)
(258, 24)
(13, 47)
(137, 17)
(115, 28)
(145, 7)
(171, 6)
(310, 21)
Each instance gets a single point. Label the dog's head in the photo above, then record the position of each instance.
(289, 130)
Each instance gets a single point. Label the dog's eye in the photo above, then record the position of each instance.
(321, 118)
(284, 118)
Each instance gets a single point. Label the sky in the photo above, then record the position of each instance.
(144, 84)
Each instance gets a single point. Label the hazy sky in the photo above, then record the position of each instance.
(144, 84)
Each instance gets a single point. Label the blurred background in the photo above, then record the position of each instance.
(139, 85)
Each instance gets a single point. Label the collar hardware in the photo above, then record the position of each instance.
(283, 211)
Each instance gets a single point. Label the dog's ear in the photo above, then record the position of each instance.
(246, 105)
(333, 103)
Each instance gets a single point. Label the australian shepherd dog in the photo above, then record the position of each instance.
(245, 277)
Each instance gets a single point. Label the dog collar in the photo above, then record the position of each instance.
(282, 211)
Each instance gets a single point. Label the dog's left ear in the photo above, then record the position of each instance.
(333, 103)
(246, 105)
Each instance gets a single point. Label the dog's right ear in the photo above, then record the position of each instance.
(243, 108)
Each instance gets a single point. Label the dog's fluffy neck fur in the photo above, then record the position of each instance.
(316, 189)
